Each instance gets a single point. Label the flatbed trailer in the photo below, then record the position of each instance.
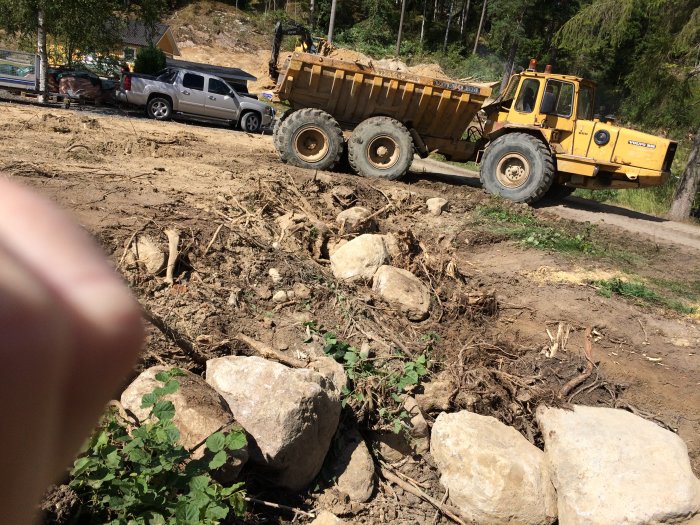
(18, 74)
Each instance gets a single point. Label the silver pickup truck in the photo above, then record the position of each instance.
(194, 94)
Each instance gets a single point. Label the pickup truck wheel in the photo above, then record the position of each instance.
(251, 122)
(159, 108)
(310, 138)
(518, 167)
(380, 147)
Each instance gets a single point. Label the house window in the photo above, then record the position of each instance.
(129, 53)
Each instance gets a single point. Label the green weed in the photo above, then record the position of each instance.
(503, 214)
(143, 476)
(609, 287)
(377, 384)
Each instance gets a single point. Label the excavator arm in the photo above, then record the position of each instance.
(281, 31)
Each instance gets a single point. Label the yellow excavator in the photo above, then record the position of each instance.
(306, 44)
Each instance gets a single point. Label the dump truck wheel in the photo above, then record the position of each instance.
(310, 138)
(381, 147)
(160, 108)
(519, 167)
(275, 130)
(558, 192)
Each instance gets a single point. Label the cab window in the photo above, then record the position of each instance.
(218, 87)
(192, 81)
(509, 93)
(584, 108)
(527, 96)
(558, 98)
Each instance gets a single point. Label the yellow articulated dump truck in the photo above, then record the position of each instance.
(538, 138)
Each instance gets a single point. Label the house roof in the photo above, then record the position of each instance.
(227, 73)
(136, 33)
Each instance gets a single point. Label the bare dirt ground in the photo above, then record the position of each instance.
(227, 193)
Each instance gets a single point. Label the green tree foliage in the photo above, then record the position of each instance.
(149, 60)
(646, 51)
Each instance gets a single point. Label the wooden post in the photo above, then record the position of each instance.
(481, 25)
(398, 38)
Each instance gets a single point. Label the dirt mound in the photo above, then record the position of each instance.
(340, 53)
(429, 70)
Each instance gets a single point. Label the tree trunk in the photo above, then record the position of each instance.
(331, 24)
(510, 62)
(465, 18)
(481, 25)
(312, 19)
(688, 185)
(447, 29)
(43, 57)
(398, 38)
(435, 10)
(422, 22)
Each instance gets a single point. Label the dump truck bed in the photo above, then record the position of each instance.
(438, 110)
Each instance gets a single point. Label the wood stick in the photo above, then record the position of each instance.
(173, 241)
(449, 511)
(270, 353)
(573, 383)
(280, 506)
(213, 238)
(179, 339)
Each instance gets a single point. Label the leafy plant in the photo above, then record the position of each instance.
(142, 476)
(149, 60)
(377, 384)
(608, 287)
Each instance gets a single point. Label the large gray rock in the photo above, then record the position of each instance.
(353, 467)
(290, 413)
(436, 205)
(199, 411)
(359, 258)
(494, 475)
(403, 289)
(612, 467)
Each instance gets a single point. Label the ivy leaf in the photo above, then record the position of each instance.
(170, 387)
(216, 442)
(164, 410)
(149, 400)
(163, 377)
(236, 440)
(218, 460)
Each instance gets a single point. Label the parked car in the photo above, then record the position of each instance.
(194, 94)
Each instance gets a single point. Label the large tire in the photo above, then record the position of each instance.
(276, 128)
(380, 147)
(159, 108)
(310, 138)
(518, 167)
(251, 122)
(558, 192)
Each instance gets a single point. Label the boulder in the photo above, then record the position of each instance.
(436, 396)
(612, 467)
(327, 518)
(147, 251)
(436, 205)
(419, 429)
(494, 474)
(199, 411)
(402, 288)
(359, 258)
(353, 467)
(290, 413)
(355, 220)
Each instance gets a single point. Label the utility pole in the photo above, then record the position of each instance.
(478, 31)
(41, 49)
(398, 39)
(331, 24)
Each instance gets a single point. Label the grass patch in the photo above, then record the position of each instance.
(638, 290)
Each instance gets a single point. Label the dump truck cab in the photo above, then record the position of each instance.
(587, 151)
